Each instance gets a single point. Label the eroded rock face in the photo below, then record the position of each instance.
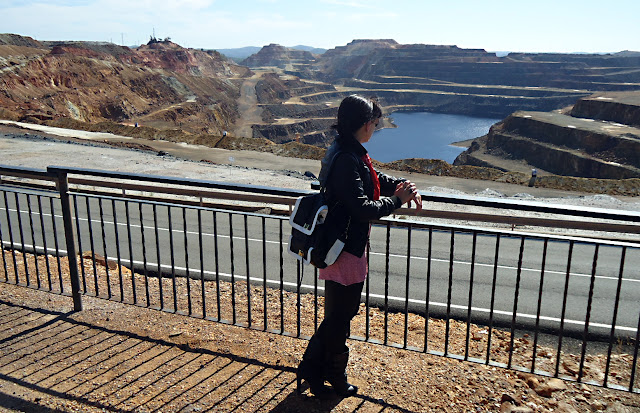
(160, 84)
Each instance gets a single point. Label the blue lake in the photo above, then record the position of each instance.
(426, 135)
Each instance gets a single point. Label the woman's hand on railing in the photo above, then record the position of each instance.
(417, 199)
(408, 192)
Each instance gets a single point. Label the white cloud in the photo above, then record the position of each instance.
(327, 23)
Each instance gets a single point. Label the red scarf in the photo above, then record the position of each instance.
(374, 176)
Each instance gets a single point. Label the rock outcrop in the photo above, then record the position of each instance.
(598, 137)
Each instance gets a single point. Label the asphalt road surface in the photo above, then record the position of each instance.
(448, 273)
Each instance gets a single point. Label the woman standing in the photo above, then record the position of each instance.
(354, 190)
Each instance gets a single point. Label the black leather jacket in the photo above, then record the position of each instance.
(350, 192)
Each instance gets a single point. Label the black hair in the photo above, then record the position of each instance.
(355, 111)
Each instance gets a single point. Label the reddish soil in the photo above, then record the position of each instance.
(119, 357)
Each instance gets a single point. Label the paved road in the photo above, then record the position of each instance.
(250, 111)
(447, 275)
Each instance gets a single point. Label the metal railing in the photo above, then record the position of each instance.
(504, 292)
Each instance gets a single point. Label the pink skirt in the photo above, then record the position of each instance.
(348, 269)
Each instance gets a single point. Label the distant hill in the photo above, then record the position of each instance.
(241, 53)
(314, 50)
(279, 56)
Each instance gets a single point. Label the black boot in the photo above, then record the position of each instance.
(337, 376)
(311, 369)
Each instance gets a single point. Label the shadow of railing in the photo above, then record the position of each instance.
(96, 367)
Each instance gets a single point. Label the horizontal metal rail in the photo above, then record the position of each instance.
(24, 172)
(279, 196)
(176, 181)
(533, 206)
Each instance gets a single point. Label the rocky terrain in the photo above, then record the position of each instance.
(286, 103)
(599, 137)
(159, 84)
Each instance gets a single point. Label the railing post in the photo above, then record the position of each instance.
(69, 234)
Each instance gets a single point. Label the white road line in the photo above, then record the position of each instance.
(241, 277)
(534, 270)
(382, 254)
(404, 257)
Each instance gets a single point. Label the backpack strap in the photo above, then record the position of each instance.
(323, 188)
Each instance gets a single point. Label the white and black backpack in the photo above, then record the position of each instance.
(315, 237)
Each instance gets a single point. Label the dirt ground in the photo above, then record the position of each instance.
(118, 357)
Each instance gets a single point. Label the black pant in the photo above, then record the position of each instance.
(341, 304)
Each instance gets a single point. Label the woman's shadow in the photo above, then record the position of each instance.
(305, 403)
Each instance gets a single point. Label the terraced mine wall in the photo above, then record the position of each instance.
(272, 89)
(574, 135)
(465, 66)
(556, 160)
(627, 187)
(621, 112)
(274, 112)
(490, 106)
(461, 104)
(282, 133)
(594, 145)
(434, 78)
(387, 83)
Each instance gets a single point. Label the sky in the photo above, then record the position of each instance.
(494, 25)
